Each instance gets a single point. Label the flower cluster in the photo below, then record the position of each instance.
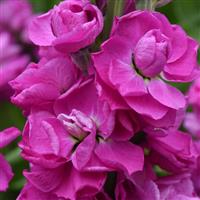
(105, 125)
(14, 18)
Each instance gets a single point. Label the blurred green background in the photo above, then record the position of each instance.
(183, 12)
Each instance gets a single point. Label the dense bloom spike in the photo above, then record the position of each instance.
(104, 125)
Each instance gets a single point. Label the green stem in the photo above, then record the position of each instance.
(146, 4)
(114, 8)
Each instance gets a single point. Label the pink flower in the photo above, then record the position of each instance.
(177, 187)
(42, 83)
(140, 187)
(196, 177)
(68, 27)
(14, 14)
(79, 128)
(63, 182)
(194, 94)
(29, 192)
(143, 47)
(95, 117)
(192, 124)
(6, 137)
(192, 120)
(12, 61)
(137, 187)
(174, 152)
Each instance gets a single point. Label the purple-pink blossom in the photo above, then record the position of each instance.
(6, 174)
(143, 49)
(12, 61)
(69, 27)
(107, 124)
(15, 14)
(192, 119)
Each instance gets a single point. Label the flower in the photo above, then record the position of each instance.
(191, 123)
(77, 132)
(63, 182)
(12, 61)
(42, 83)
(15, 14)
(143, 49)
(141, 187)
(192, 119)
(174, 152)
(70, 26)
(6, 137)
(177, 187)
(75, 129)
(194, 94)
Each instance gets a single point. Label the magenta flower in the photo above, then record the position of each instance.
(143, 47)
(194, 94)
(85, 126)
(30, 192)
(6, 137)
(196, 176)
(140, 187)
(64, 182)
(174, 152)
(68, 27)
(14, 14)
(192, 124)
(137, 187)
(81, 133)
(192, 119)
(42, 83)
(99, 122)
(12, 61)
(177, 187)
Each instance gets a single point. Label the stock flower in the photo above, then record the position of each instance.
(140, 187)
(194, 94)
(177, 187)
(68, 27)
(14, 14)
(192, 119)
(12, 61)
(174, 152)
(78, 131)
(6, 137)
(63, 182)
(29, 192)
(42, 83)
(196, 176)
(137, 187)
(95, 123)
(79, 128)
(191, 123)
(143, 49)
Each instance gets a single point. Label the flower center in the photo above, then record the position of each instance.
(150, 54)
(77, 124)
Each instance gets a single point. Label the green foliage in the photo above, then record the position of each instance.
(43, 5)
(185, 13)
